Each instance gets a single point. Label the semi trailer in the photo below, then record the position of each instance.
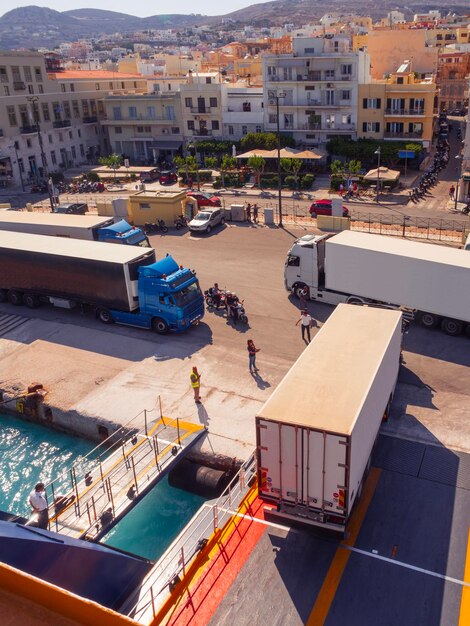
(316, 432)
(122, 284)
(89, 227)
(431, 282)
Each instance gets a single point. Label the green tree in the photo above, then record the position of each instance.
(211, 163)
(292, 166)
(228, 163)
(257, 163)
(354, 166)
(265, 141)
(113, 161)
(336, 167)
(187, 164)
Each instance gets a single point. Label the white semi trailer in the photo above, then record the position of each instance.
(432, 281)
(315, 434)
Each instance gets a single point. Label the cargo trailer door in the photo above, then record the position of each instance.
(280, 455)
(325, 471)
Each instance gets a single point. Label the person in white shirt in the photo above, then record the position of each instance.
(38, 504)
(306, 322)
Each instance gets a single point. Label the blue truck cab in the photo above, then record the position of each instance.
(123, 233)
(169, 298)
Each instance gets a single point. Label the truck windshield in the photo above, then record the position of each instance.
(187, 295)
(293, 261)
(138, 239)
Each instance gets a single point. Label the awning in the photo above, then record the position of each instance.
(382, 173)
(285, 153)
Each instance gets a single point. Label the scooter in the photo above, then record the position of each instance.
(181, 222)
(237, 312)
(155, 227)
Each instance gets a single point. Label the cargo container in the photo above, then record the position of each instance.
(89, 227)
(315, 434)
(430, 281)
(122, 284)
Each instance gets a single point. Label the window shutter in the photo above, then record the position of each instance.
(364, 103)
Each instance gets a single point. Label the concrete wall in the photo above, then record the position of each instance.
(389, 48)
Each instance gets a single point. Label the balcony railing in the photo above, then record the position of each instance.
(402, 135)
(201, 110)
(311, 77)
(61, 123)
(29, 130)
(404, 111)
(141, 118)
(202, 132)
(90, 119)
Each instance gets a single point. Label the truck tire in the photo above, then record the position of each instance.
(104, 315)
(15, 297)
(3, 295)
(429, 320)
(451, 327)
(159, 326)
(298, 288)
(31, 301)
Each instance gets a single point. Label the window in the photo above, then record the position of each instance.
(50, 139)
(28, 143)
(82, 150)
(215, 124)
(66, 109)
(208, 80)
(147, 129)
(400, 80)
(272, 119)
(74, 152)
(213, 102)
(144, 205)
(30, 88)
(345, 95)
(57, 110)
(62, 87)
(3, 74)
(346, 69)
(288, 120)
(12, 116)
(75, 108)
(21, 165)
(61, 137)
(6, 90)
(190, 125)
(97, 86)
(330, 120)
(175, 130)
(246, 107)
(15, 71)
(230, 130)
(371, 127)
(272, 70)
(151, 112)
(244, 130)
(72, 87)
(53, 157)
(345, 119)
(40, 89)
(45, 112)
(38, 74)
(371, 103)
(93, 107)
(329, 97)
(70, 134)
(329, 74)
(132, 112)
(258, 129)
(188, 102)
(140, 129)
(85, 109)
(117, 115)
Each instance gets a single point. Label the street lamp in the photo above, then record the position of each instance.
(13, 147)
(34, 101)
(277, 95)
(378, 152)
(459, 158)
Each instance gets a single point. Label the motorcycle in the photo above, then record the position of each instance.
(155, 227)
(236, 311)
(210, 302)
(181, 222)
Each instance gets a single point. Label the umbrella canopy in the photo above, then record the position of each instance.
(382, 173)
(266, 154)
(285, 153)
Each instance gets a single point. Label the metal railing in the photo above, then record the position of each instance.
(433, 229)
(173, 565)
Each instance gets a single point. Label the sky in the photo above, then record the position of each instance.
(141, 9)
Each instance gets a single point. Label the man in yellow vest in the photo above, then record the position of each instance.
(195, 378)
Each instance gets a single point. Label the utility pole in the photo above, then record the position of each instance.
(276, 95)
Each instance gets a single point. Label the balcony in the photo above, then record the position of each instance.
(29, 130)
(90, 119)
(61, 124)
(403, 135)
(404, 111)
(203, 132)
(19, 85)
(201, 110)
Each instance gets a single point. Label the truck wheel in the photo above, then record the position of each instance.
(428, 320)
(3, 295)
(15, 297)
(159, 326)
(31, 301)
(105, 316)
(451, 327)
(298, 288)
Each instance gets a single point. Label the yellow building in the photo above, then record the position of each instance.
(398, 108)
(149, 206)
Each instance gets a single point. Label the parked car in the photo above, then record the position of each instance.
(206, 220)
(168, 178)
(323, 207)
(76, 208)
(205, 199)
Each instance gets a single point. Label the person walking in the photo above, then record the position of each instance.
(252, 350)
(306, 322)
(452, 192)
(255, 213)
(195, 379)
(248, 212)
(303, 298)
(38, 504)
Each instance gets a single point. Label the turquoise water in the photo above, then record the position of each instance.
(30, 453)
(155, 521)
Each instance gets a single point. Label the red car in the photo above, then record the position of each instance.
(323, 207)
(168, 178)
(205, 199)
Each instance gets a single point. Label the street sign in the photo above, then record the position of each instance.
(406, 154)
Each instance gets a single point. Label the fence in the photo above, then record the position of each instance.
(173, 565)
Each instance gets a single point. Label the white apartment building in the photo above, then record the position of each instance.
(242, 111)
(316, 88)
(201, 100)
(49, 122)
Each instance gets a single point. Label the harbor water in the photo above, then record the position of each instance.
(30, 453)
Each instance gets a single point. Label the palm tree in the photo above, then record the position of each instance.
(257, 163)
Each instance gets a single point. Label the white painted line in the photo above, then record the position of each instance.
(421, 570)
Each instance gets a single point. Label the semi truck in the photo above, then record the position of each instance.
(89, 227)
(316, 432)
(430, 282)
(122, 284)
